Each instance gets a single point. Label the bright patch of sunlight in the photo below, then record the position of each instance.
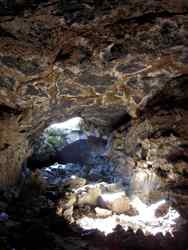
(145, 220)
(56, 166)
(110, 197)
(105, 225)
(71, 124)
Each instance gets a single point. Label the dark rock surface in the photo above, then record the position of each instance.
(80, 152)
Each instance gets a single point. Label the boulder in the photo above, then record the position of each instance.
(89, 196)
(111, 187)
(74, 182)
(162, 210)
(102, 213)
(116, 202)
(67, 202)
(67, 214)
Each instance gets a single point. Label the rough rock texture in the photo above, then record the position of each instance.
(112, 63)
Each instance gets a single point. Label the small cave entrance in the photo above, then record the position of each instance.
(72, 163)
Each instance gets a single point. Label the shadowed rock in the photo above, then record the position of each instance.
(79, 152)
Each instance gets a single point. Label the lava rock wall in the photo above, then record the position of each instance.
(110, 62)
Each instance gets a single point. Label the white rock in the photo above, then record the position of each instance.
(117, 202)
(103, 213)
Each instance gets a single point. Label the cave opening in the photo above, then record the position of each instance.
(73, 163)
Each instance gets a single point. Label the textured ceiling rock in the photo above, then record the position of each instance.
(108, 62)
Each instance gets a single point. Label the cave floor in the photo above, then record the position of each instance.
(33, 223)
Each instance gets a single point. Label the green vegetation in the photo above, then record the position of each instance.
(48, 143)
(54, 140)
(54, 137)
